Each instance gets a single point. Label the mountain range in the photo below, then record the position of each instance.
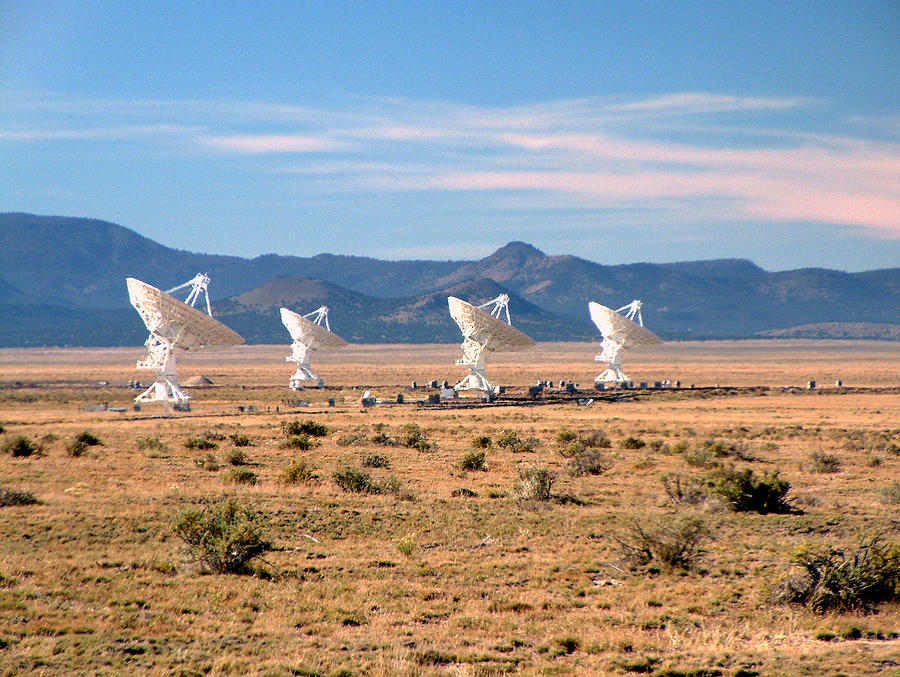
(62, 283)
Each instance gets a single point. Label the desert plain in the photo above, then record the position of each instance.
(442, 561)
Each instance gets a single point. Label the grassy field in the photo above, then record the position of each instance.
(430, 568)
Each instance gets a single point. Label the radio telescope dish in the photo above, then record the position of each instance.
(308, 333)
(484, 331)
(620, 332)
(173, 324)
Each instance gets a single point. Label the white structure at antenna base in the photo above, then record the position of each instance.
(473, 358)
(161, 358)
(304, 377)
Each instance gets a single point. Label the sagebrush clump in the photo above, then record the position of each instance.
(676, 546)
(223, 537)
(844, 579)
(10, 497)
(535, 484)
(307, 427)
(742, 491)
(20, 446)
(474, 460)
(299, 471)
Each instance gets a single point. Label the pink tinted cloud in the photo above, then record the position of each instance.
(274, 143)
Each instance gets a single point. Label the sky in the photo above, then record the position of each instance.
(620, 132)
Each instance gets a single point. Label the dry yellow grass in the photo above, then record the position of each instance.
(94, 580)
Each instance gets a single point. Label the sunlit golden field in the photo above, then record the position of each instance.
(417, 580)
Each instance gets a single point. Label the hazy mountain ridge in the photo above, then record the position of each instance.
(77, 267)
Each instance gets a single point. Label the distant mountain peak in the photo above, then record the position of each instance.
(517, 249)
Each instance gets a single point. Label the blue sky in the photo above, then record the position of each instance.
(617, 131)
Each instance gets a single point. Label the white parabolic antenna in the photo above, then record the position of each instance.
(482, 331)
(309, 332)
(619, 333)
(173, 324)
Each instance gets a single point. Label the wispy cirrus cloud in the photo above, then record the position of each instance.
(689, 156)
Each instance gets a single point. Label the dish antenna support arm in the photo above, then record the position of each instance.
(161, 358)
(300, 349)
(198, 284)
(473, 358)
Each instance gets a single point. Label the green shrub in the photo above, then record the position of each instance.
(307, 427)
(482, 442)
(20, 446)
(509, 440)
(680, 447)
(413, 436)
(535, 484)
(689, 491)
(240, 440)
(353, 438)
(632, 443)
(298, 471)
(660, 446)
(891, 493)
(844, 580)
(88, 438)
(10, 497)
(474, 460)
(665, 546)
(565, 436)
(406, 546)
(463, 492)
(824, 463)
(200, 443)
(76, 448)
(242, 476)
(237, 457)
(208, 462)
(150, 444)
(352, 480)
(588, 463)
(302, 442)
(224, 538)
(376, 461)
(596, 439)
(742, 491)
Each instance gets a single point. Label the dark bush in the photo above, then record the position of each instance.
(588, 463)
(632, 443)
(298, 472)
(474, 460)
(237, 457)
(301, 442)
(10, 497)
(208, 462)
(20, 446)
(821, 462)
(353, 480)
(413, 436)
(88, 438)
(669, 546)
(535, 484)
(200, 443)
(242, 476)
(509, 440)
(376, 461)
(742, 491)
(463, 492)
(77, 448)
(689, 491)
(224, 538)
(844, 580)
(307, 427)
(240, 440)
(482, 442)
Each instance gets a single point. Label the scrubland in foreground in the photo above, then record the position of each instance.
(388, 557)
